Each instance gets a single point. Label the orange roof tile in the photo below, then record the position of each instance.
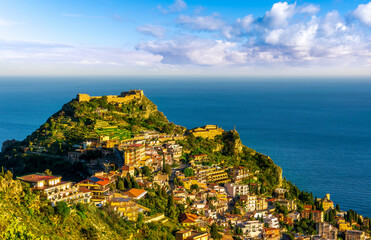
(135, 192)
(84, 189)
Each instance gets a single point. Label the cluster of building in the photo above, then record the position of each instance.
(224, 196)
(97, 190)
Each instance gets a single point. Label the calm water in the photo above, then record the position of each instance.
(319, 132)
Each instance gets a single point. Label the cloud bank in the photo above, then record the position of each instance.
(293, 37)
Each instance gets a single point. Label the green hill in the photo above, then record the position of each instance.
(95, 119)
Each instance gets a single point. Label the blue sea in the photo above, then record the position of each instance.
(317, 130)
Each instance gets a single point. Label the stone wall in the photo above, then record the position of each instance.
(122, 98)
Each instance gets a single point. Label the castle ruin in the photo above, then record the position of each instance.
(122, 98)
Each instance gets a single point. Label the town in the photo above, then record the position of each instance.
(211, 196)
(203, 180)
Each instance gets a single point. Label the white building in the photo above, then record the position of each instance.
(272, 221)
(249, 201)
(236, 189)
(251, 229)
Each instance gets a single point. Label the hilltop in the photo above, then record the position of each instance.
(111, 120)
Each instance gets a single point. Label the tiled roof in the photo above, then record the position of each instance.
(100, 181)
(188, 218)
(135, 192)
(37, 177)
(84, 189)
(239, 167)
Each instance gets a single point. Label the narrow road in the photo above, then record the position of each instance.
(172, 176)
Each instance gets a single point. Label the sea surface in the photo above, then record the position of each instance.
(317, 130)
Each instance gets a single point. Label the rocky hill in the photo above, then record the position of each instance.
(115, 119)
(97, 118)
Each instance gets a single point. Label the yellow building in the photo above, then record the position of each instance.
(212, 174)
(188, 219)
(222, 197)
(145, 161)
(208, 131)
(199, 157)
(188, 234)
(344, 226)
(188, 182)
(126, 206)
(327, 203)
(261, 204)
(134, 153)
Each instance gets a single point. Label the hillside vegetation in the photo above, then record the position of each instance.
(24, 215)
(78, 121)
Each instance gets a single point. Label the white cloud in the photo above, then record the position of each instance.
(56, 53)
(246, 22)
(201, 23)
(287, 36)
(363, 13)
(6, 23)
(177, 6)
(195, 51)
(309, 9)
(332, 24)
(152, 30)
(279, 14)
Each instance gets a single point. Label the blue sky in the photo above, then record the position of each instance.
(184, 37)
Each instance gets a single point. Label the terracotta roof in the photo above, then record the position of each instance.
(37, 177)
(239, 167)
(188, 218)
(135, 192)
(135, 145)
(100, 181)
(84, 189)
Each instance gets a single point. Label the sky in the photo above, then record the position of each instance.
(185, 37)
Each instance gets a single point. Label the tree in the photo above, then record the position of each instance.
(188, 172)
(146, 171)
(214, 232)
(167, 169)
(127, 183)
(290, 236)
(236, 210)
(163, 162)
(121, 185)
(48, 172)
(194, 187)
(238, 231)
(62, 209)
(337, 207)
(171, 209)
(140, 218)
